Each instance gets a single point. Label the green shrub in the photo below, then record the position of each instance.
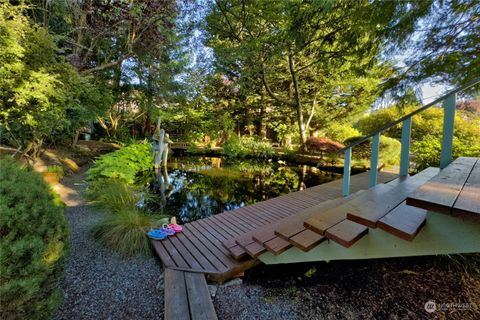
(340, 132)
(389, 152)
(426, 152)
(244, 147)
(125, 231)
(124, 164)
(429, 122)
(33, 239)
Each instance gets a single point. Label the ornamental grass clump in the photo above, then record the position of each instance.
(124, 227)
(125, 231)
(33, 241)
(113, 195)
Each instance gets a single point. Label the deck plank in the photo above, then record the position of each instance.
(468, 201)
(404, 221)
(277, 246)
(197, 250)
(306, 240)
(368, 210)
(200, 303)
(176, 300)
(440, 193)
(346, 233)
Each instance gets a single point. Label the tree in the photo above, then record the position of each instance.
(440, 41)
(42, 95)
(319, 59)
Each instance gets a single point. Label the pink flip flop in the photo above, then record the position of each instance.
(177, 228)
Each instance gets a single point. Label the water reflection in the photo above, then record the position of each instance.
(198, 187)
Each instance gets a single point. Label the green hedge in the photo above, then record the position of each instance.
(33, 239)
(245, 147)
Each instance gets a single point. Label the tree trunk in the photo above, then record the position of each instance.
(298, 103)
(75, 138)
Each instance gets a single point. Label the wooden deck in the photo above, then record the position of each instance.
(187, 296)
(210, 245)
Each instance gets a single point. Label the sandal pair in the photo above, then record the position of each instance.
(164, 232)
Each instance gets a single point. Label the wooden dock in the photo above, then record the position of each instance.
(318, 224)
(203, 246)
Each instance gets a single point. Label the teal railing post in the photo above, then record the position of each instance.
(405, 155)
(374, 160)
(448, 125)
(346, 172)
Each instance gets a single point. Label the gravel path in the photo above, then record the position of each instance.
(98, 284)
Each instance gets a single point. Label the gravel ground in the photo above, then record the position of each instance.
(97, 283)
(370, 289)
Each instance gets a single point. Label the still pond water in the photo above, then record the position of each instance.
(197, 187)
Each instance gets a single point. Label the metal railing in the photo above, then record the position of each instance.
(449, 101)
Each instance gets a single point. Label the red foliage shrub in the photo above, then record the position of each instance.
(323, 144)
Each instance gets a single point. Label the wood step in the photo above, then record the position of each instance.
(277, 246)
(440, 193)
(468, 201)
(255, 249)
(306, 240)
(346, 233)
(237, 252)
(187, 296)
(368, 210)
(324, 220)
(404, 221)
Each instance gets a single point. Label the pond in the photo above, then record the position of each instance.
(197, 187)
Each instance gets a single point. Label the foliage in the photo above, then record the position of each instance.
(124, 164)
(33, 240)
(125, 231)
(304, 56)
(440, 41)
(340, 132)
(112, 194)
(56, 169)
(389, 151)
(42, 95)
(246, 146)
(426, 152)
(427, 131)
(323, 145)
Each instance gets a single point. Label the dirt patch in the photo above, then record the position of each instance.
(367, 289)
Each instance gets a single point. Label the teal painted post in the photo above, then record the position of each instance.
(448, 125)
(346, 172)
(374, 160)
(405, 156)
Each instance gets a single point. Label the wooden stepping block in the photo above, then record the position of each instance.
(237, 252)
(321, 221)
(255, 249)
(468, 201)
(328, 219)
(346, 233)
(369, 210)
(277, 245)
(440, 193)
(306, 240)
(404, 221)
